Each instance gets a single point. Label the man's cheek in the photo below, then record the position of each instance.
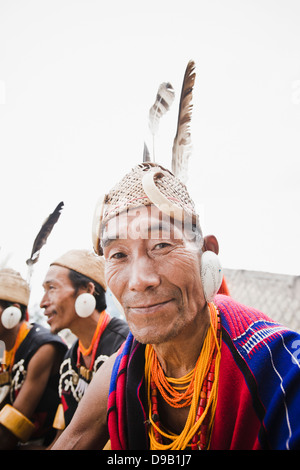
(113, 283)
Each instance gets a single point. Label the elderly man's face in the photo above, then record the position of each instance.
(154, 271)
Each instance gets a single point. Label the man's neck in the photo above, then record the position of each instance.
(179, 355)
(10, 336)
(85, 328)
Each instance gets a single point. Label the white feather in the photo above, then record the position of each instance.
(164, 99)
(182, 146)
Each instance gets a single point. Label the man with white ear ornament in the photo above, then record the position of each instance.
(74, 298)
(29, 369)
(198, 370)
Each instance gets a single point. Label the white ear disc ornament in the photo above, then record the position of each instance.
(211, 274)
(11, 317)
(85, 305)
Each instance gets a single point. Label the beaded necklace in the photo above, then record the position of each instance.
(9, 356)
(92, 349)
(197, 389)
(8, 362)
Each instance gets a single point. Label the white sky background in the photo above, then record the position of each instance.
(77, 79)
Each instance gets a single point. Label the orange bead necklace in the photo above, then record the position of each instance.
(197, 389)
(92, 349)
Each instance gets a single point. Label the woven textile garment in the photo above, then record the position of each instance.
(259, 386)
(45, 411)
(112, 337)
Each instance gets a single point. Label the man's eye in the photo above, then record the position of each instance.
(162, 245)
(118, 255)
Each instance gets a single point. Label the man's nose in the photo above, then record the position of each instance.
(45, 301)
(143, 275)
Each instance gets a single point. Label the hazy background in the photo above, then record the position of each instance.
(77, 79)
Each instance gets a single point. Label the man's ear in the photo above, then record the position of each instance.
(90, 289)
(211, 244)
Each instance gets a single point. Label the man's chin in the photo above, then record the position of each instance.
(54, 328)
(152, 335)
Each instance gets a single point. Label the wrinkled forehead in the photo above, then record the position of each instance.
(146, 222)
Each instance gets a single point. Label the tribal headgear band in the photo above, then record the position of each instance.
(146, 184)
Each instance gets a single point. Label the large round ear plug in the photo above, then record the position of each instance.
(11, 316)
(211, 274)
(85, 305)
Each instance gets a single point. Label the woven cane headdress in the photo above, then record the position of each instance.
(149, 183)
(13, 287)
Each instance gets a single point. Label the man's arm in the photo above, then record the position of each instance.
(88, 427)
(38, 373)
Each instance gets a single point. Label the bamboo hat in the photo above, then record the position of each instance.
(84, 262)
(13, 287)
(146, 184)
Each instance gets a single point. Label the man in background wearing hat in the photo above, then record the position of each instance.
(29, 371)
(74, 298)
(198, 370)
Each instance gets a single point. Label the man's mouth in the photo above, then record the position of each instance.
(50, 316)
(150, 307)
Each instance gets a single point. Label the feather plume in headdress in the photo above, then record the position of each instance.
(164, 99)
(43, 234)
(146, 154)
(182, 142)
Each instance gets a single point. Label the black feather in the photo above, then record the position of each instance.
(44, 233)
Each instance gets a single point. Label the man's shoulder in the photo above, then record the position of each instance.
(37, 337)
(250, 329)
(236, 318)
(43, 334)
(117, 326)
(267, 353)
